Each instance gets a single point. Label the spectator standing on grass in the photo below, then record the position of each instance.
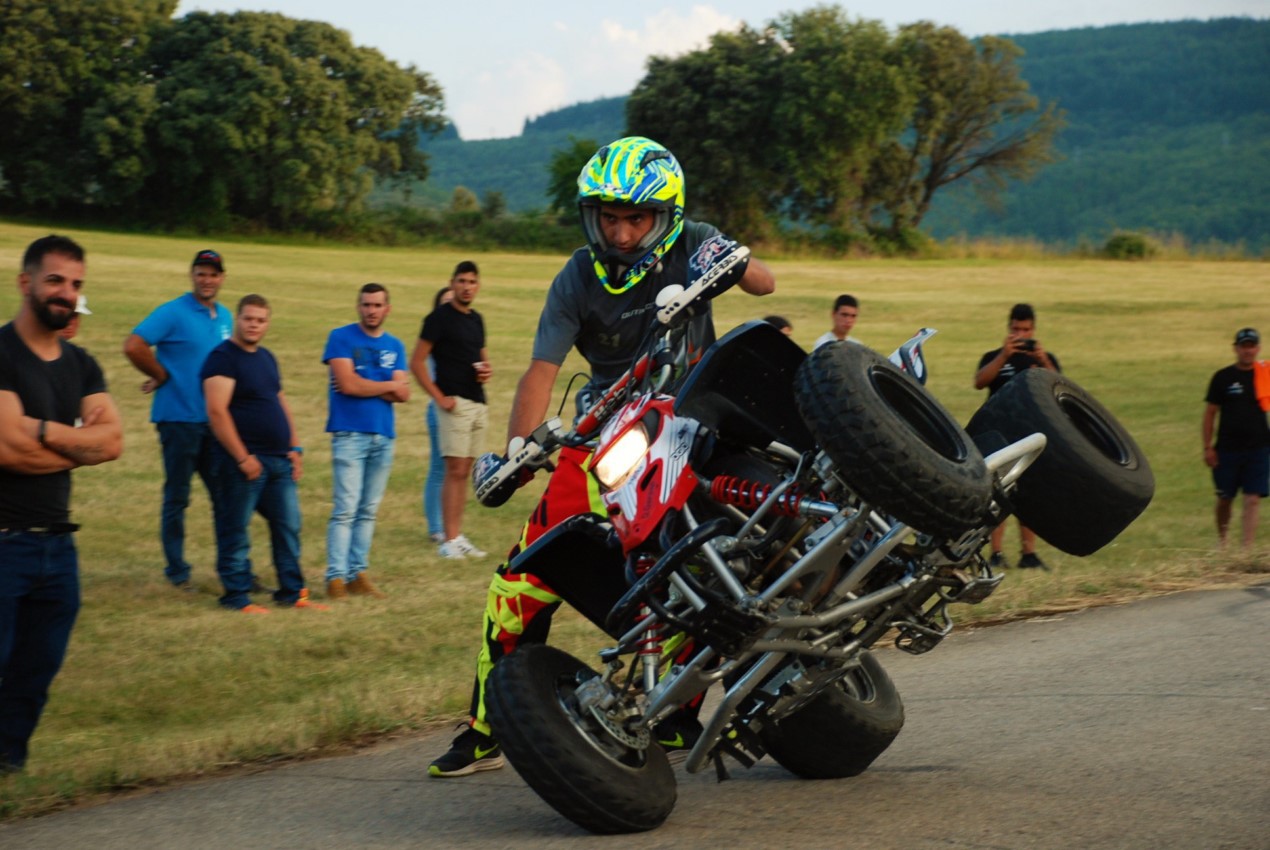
(256, 461)
(1237, 400)
(46, 385)
(453, 335)
(169, 347)
(846, 309)
(435, 481)
(368, 376)
(1019, 352)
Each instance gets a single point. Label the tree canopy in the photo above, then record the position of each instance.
(838, 126)
(203, 118)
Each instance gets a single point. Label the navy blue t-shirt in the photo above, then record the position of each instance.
(254, 407)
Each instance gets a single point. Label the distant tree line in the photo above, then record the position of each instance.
(113, 106)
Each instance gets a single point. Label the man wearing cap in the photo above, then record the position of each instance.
(1240, 459)
(169, 347)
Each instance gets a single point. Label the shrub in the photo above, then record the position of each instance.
(1129, 246)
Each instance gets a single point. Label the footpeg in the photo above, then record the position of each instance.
(916, 637)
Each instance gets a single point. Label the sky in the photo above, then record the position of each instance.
(500, 62)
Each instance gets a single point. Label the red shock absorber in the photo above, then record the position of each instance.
(748, 495)
(649, 643)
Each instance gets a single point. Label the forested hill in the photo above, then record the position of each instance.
(1168, 131)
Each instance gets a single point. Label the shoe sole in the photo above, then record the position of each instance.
(467, 770)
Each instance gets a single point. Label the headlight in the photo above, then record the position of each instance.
(621, 458)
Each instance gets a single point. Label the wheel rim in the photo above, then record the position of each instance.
(1094, 428)
(927, 421)
(592, 731)
(858, 685)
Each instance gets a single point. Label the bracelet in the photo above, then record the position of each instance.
(297, 449)
(44, 424)
(244, 460)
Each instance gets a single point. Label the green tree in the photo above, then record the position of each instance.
(74, 99)
(493, 204)
(562, 183)
(277, 120)
(974, 119)
(714, 109)
(464, 200)
(842, 96)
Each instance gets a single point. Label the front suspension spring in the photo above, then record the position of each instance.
(748, 495)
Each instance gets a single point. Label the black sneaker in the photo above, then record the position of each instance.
(1031, 561)
(677, 732)
(470, 752)
(997, 561)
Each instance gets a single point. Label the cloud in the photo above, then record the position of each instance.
(602, 61)
(668, 33)
(495, 102)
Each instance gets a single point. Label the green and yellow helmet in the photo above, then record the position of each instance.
(635, 172)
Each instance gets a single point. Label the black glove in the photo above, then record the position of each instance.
(494, 482)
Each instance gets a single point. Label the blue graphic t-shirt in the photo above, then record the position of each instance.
(375, 358)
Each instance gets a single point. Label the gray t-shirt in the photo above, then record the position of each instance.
(607, 329)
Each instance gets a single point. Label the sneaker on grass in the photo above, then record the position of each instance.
(471, 751)
(460, 547)
(1031, 561)
(305, 602)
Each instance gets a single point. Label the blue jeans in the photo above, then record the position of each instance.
(436, 476)
(360, 466)
(39, 598)
(187, 448)
(273, 494)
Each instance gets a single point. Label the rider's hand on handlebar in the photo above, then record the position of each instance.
(488, 467)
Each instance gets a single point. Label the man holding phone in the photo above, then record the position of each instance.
(1020, 351)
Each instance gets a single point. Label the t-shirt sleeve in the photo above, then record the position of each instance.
(8, 376)
(560, 322)
(983, 361)
(431, 328)
(94, 381)
(1054, 360)
(155, 327)
(216, 364)
(336, 347)
(1214, 394)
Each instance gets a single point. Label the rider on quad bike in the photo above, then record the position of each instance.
(631, 200)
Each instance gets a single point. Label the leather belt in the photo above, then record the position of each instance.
(52, 528)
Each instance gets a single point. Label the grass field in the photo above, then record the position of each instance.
(160, 685)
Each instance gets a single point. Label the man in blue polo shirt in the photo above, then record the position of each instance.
(169, 347)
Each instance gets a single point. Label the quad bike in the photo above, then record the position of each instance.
(771, 516)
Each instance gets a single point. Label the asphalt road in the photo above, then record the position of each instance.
(1137, 726)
